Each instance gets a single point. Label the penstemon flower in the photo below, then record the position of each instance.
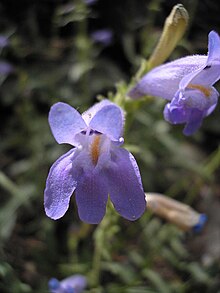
(73, 284)
(95, 167)
(188, 83)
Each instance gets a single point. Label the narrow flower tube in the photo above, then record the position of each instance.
(187, 83)
(97, 166)
(181, 215)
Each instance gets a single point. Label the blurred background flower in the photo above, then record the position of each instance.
(103, 36)
(3, 41)
(90, 2)
(72, 284)
(5, 68)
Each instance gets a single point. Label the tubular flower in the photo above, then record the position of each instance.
(95, 167)
(73, 284)
(188, 84)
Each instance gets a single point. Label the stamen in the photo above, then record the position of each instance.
(95, 149)
(204, 90)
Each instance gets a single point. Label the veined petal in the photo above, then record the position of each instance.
(109, 121)
(91, 197)
(59, 186)
(208, 74)
(65, 123)
(124, 185)
(163, 81)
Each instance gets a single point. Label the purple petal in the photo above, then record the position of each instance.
(108, 121)
(77, 283)
(214, 46)
(91, 197)
(194, 122)
(194, 97)
(211, 109)
(4, 42)
(65, 123)
(209, 73)
(103, 36)
(163, 81)
(197, 99)
(175, 114)
(180, 114)
(53, 285)
(5, 68)
(190, 106)
(59, 186)
(124, 185)
(91, 112)
(90, 2)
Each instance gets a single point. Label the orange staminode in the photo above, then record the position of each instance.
(204, 90)
(95, 149)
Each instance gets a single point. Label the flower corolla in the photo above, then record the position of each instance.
(96, 167)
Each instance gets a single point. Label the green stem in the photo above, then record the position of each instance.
(102, 237)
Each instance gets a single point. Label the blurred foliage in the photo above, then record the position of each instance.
(52, 57)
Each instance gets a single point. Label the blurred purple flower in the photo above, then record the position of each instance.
(188, 84)
(96, 167)
(3, 41)
(5, 68)
(90, 2)
(103, 36)
(73, 284)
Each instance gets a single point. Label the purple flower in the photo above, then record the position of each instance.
(90, 2)
(103, 36)
(5, 68)
(188, 84)
(73, 284)
(96, 167)
(3, 41)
